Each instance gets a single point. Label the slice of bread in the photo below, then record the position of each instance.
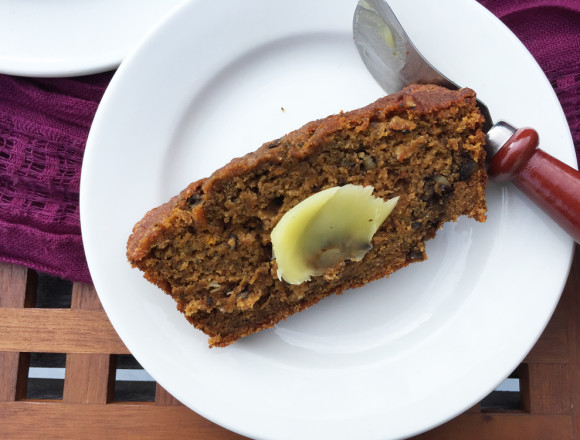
(210, 247)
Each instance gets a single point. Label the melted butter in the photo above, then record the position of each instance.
(327, 228)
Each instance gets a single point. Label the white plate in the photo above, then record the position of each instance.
(397, 357)
(54, 38)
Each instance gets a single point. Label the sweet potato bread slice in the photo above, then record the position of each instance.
(209, 247)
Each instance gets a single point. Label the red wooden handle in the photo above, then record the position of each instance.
(551, 184)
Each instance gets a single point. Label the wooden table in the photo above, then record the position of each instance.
(90, 403)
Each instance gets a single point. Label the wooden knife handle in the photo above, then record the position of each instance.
(550, 183)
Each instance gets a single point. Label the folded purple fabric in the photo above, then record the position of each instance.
(44, 124)
(550, 29)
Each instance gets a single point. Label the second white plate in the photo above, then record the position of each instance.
(59, 38)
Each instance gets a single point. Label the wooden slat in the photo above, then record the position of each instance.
(503, 427)
(88, 378)
(549, 387)
(16, 291)
(13, 375)
(58, 331)
(8, 375)
(31, 420)
(163, 398)
(14, 286)
(572, 291)
(84, 296)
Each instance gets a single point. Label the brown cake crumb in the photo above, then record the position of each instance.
(209, 247)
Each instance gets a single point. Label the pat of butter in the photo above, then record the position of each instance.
(327, 228)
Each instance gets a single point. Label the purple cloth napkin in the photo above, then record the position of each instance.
(44, 124)
(550, 29)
